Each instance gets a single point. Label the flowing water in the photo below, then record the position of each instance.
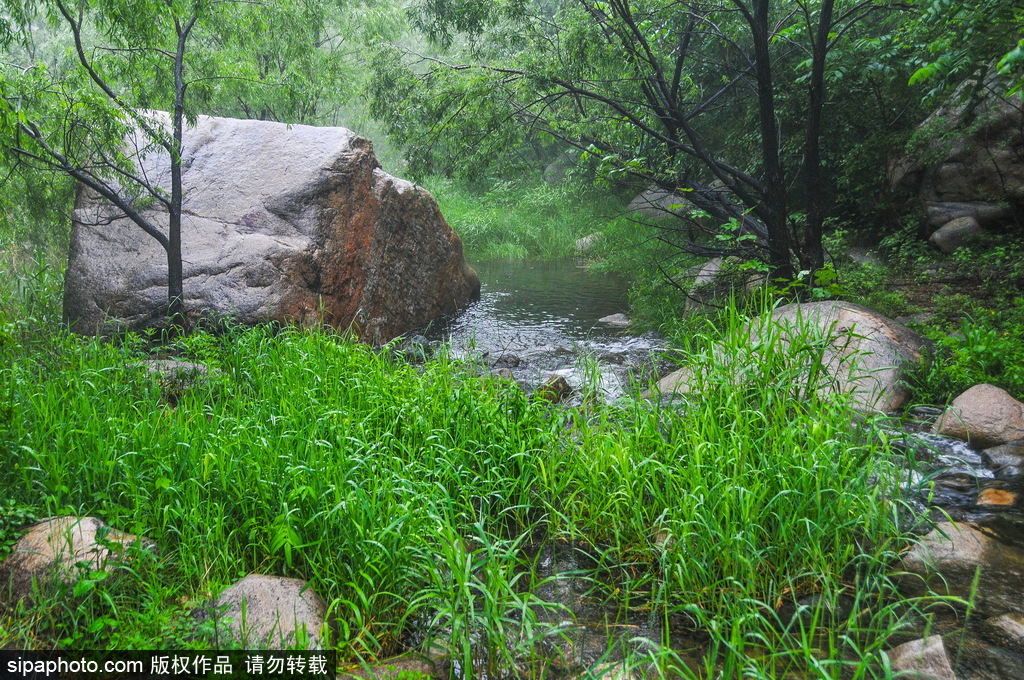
(539, 319)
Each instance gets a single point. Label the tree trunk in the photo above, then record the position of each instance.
(812, 256)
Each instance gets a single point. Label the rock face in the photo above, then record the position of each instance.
(267, 611)
(865, 357)
(281, 223)
(980, 172)
(985, 416)
(925, 659)
(53, 547)
(946, 560)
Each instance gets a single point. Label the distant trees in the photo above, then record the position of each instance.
(87, 116)
(721, 100)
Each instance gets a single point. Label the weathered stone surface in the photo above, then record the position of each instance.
(866, 357)
(956, 234)
(925, 659)
(939, 213)
(53, 547)
(281, 223)
(985, 416)
(946, 560)
(994, 497)
(275, 609)
(1006, 629)
(719, 278)
(979, 171)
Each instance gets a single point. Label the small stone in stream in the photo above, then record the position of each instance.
(997, 497)
(554, 390)
(1005, 455)
(503, 373)
(925, 659)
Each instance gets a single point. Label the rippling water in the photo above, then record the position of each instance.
(537, 318)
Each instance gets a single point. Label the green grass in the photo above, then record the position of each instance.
(523, 220)
(415, 498)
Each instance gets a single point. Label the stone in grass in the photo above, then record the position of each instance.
(56, 547)
(268, 612)
(409, 667)
(607, 671)
(956, 233)
(924, 659)
(984, 416)
(946, 560)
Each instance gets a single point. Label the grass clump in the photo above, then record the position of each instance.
(415, 500)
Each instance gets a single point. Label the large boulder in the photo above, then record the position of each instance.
(270, 612)
(288, 223)
(984, 416)
(864, 354)
(55, 548)
(974, 164)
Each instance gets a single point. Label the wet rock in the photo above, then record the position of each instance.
(940, 213)
(956, 234)
(1006, 459)
(57, 546)
(287, 223)
(946, 560)
(925, 659)
(1006, 630)
(718, 279)
(503, 373)
(985, 416)
(275, 610)
(921, 418)
(554, 390)
(619, 320)
(409, 667)
(507, 360)
(997, 498)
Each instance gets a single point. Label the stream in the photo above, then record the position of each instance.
(538, 319)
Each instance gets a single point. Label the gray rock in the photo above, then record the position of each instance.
(1005, 630)
(659, 203)
(985, 416)
(554, 390)
(1007, 459)
(288, 223)
(58, 547)
(925, 659)
(266, 612)
(975, 168)
(865, 257)
(945, 561)
(866, 357)
(956, 234)
(619, 320)
(939, 213)
(586, 244)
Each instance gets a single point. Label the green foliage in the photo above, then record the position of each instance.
(14, 518)
(988, 347)
(525, 219)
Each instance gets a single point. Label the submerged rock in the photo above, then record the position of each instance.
(287, 223)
